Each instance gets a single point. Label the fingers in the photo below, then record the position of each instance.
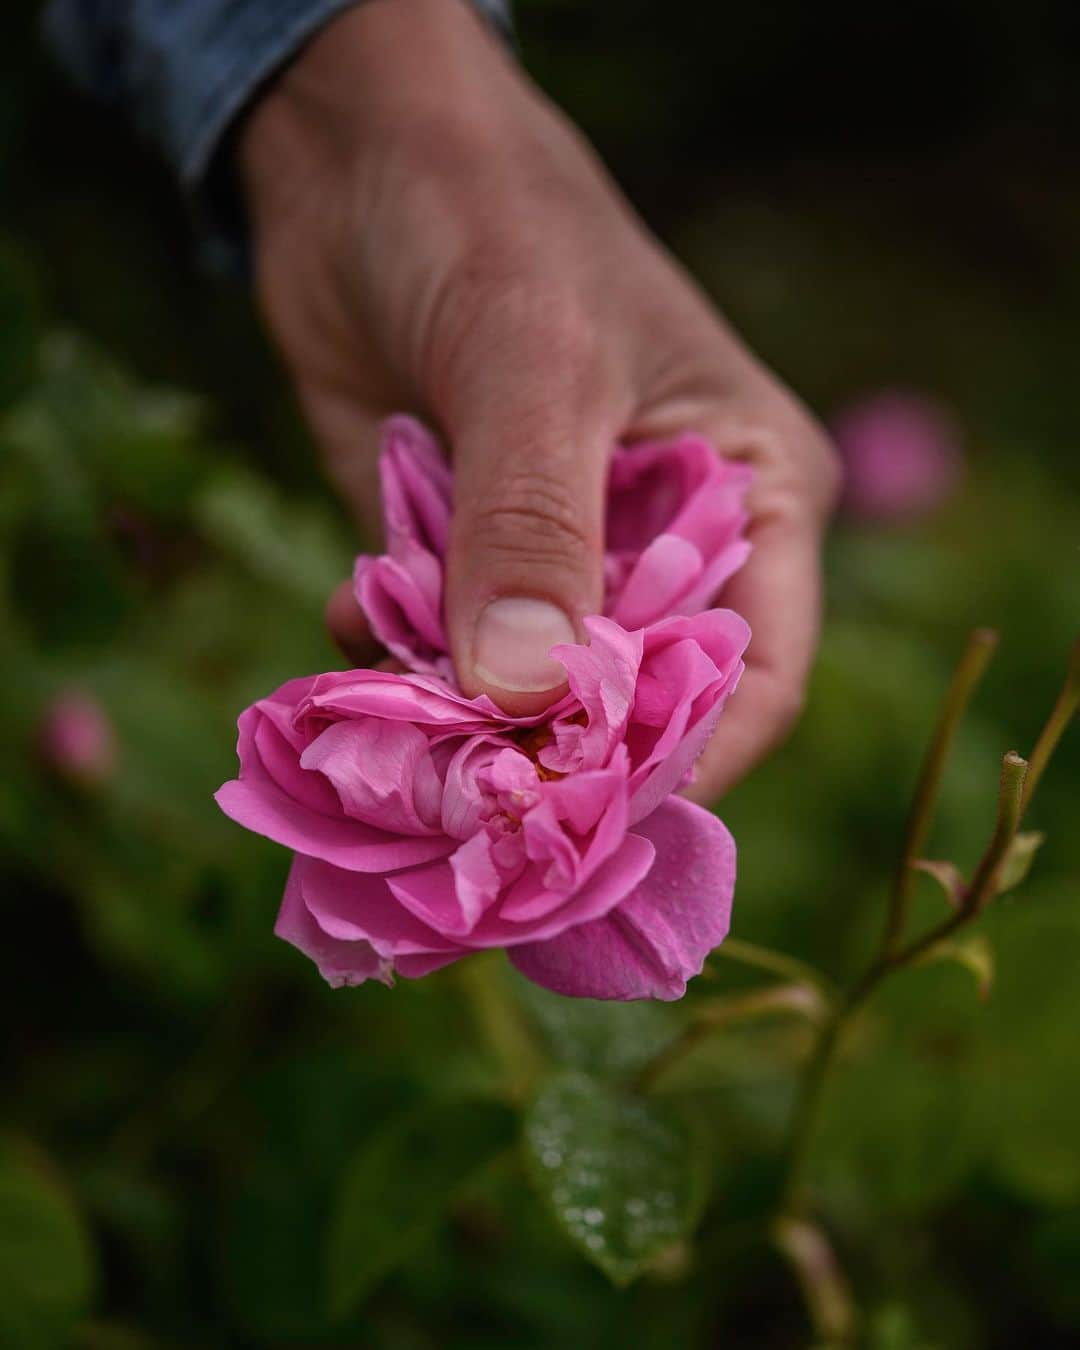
(531, 428)
(779, 593)
(349, 628)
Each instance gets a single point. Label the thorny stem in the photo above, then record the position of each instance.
(1019, 778)
(804, 1119)
(973, 663)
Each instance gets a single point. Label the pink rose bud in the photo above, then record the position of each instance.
(901, 455)
(77, 740)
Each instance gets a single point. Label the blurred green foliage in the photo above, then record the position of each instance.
(202, 1145)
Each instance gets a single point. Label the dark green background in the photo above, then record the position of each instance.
(876, 199)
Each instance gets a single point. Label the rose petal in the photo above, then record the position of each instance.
(354, 905)
(709, 584)
(401, 592)
(417, 485)
(274, 746)
(382, 773)
(401, 598)
(416, 967)
(263, 808)
(421, 699)
(602, 677)
(578, 824)
(466, 799)
(715, 514)
(339, 962)
(451, 896)
(690, 667)
(676, 516)
(663, 573)
(649, 484)
(260, 802)
(659, 936)
(611, 882)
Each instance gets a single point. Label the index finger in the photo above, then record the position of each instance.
(779, 594)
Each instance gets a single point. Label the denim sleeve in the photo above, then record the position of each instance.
(183, 69)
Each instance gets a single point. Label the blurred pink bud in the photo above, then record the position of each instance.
(77, 739)
(901, 455)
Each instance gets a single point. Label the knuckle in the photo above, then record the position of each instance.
(814, 462)
(803, 468)
(824, 469)
(534, 518)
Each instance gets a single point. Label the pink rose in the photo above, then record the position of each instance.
(427, 825)
(901, 455)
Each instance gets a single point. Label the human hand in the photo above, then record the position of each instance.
(432, 235)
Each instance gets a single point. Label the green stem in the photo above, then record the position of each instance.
(825, 1289)
(795, 1237)
(498, 1017)
(1011, 799)
(1061, 715)
(804, 1118)
(808, 1102)
(776, 963)
(786, 998)
(973, 663)
(809, 993)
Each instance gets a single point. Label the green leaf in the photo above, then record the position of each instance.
(46, 1262)
(972, 951)
(399, 1186)
(947, 875)
(1019, 858)
(625, 1176)
(609, 1039)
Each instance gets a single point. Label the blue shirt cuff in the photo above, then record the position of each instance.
(183, 70)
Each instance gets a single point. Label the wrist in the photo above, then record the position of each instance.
(382, 75)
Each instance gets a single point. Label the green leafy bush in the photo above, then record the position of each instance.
(203, 1146)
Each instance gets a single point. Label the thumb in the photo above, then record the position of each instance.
(525, 562)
